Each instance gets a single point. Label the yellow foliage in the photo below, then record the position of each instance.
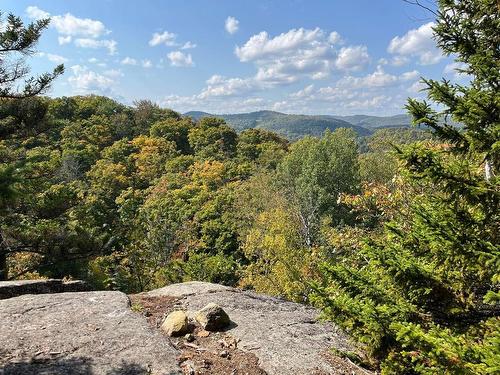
(152, 155)
(280, 261)
(208, 173)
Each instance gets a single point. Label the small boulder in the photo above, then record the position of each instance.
(175, 324)
(212, 317)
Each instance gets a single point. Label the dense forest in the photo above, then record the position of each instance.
(394, 235)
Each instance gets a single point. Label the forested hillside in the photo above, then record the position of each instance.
(291, 127)
(134, 197)
(393, 233)
(377, 122)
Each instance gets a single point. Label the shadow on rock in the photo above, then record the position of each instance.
(69, 366)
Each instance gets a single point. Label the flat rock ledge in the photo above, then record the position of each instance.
(9, 289)
(98, 333)
(286, 337)
(80, 333)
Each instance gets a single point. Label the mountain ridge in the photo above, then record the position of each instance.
(296, 126)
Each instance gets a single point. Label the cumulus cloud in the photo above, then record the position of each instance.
(146, 64)
(113, 73)
(352, 58)
(281, 60)
(335, 38)
(85, 81)
(95, 43)
(457, 71)
(417, 43)
(36, 13)
(166, 38)
(70, 25)
(378, 79)
(180, 59)
(218, 86)
(188, 45)
(261, 46)
(64, 39)
(416, 87)
(85, 32)
(53, 57)
(288, 57)
(128, 61)
(231, 25)
(304, 93)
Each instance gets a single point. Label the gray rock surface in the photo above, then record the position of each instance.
(285, 336)
(80, 333)
(9, 289)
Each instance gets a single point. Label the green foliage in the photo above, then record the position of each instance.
(212, 138)
(315, 173)
(17, 38)
(416, 295)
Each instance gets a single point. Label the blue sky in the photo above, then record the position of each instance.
(227, 56)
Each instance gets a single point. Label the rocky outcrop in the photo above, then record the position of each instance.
(9, 289)
(285, 336)
(98, 333)
(80, 333)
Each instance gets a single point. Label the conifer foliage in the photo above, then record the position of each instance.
(424, 297)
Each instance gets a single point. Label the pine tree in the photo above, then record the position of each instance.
(17, 41)
(425, 298)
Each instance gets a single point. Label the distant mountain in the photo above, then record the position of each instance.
(376, 122)
(290, 126)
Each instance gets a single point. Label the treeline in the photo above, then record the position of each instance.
(136, 197)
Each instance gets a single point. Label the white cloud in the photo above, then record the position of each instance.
(335, 38)
(128, 61)
(231, 25)
(399, 60)
(86, 81)
(409, 76)
(304, 93)
(64, 39)
(188, 45)
(53, 57)
(352, 58)
(93, 60)
(180, 59)
(260, 46)
(221, 86)
(417, 43)
(300, 52)
(416, 87)
(146, 64)
(113, 73)
(288, 57)
(166, 38)
(134, 62)
(70, 25)
(94, 43)
(36, 13)
(378, 79)
(456, 69)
